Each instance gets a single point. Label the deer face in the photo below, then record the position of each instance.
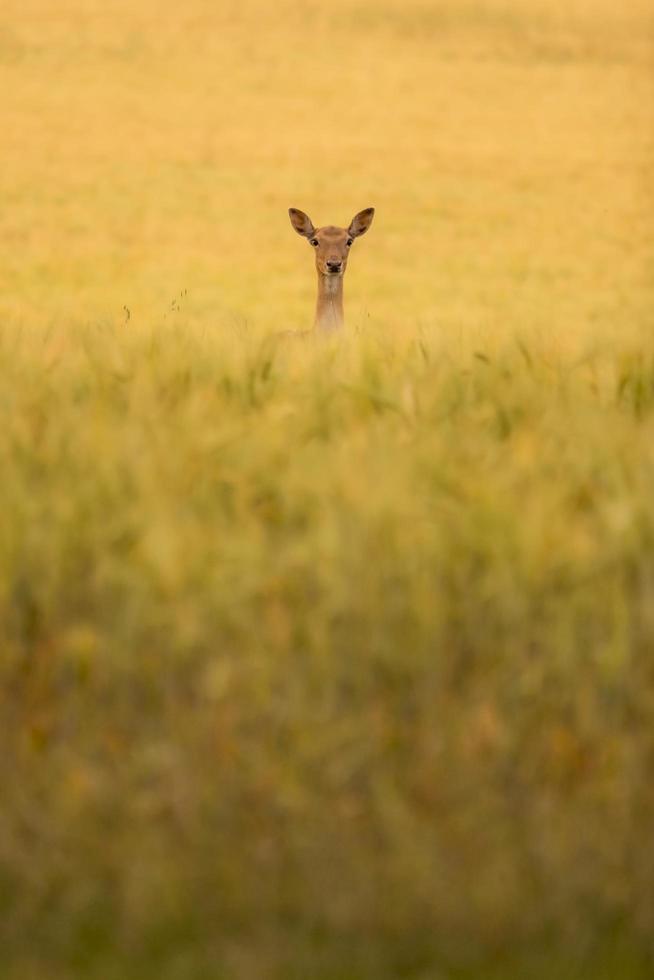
(331, 244)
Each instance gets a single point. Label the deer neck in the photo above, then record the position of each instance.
(329, 308)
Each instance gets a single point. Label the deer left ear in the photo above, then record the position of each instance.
(301, 222)
(361, 222)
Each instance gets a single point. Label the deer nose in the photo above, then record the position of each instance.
(334, 265)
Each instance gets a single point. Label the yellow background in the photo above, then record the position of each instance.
(153, 148)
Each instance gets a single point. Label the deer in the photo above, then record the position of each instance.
(332, 248)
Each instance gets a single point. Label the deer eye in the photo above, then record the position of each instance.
(349, 242)
(314, 242)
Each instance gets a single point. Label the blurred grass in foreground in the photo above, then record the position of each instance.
(323, 661)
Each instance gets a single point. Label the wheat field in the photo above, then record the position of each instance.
(327, 660)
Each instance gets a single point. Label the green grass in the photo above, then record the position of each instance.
(329, 655)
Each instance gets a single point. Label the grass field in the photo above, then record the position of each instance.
(327, 661)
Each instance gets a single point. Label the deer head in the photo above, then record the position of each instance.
(331, 244)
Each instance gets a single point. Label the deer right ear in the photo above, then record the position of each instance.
(301, 222)
(361, 222)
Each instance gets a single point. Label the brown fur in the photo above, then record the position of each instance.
(332, 247)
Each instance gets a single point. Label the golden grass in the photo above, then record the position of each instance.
(508, 151)
(326, 660)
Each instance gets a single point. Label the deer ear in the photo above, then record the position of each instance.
(301, 222)
(361, 222)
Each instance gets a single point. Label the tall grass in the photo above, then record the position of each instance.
(322, 661)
